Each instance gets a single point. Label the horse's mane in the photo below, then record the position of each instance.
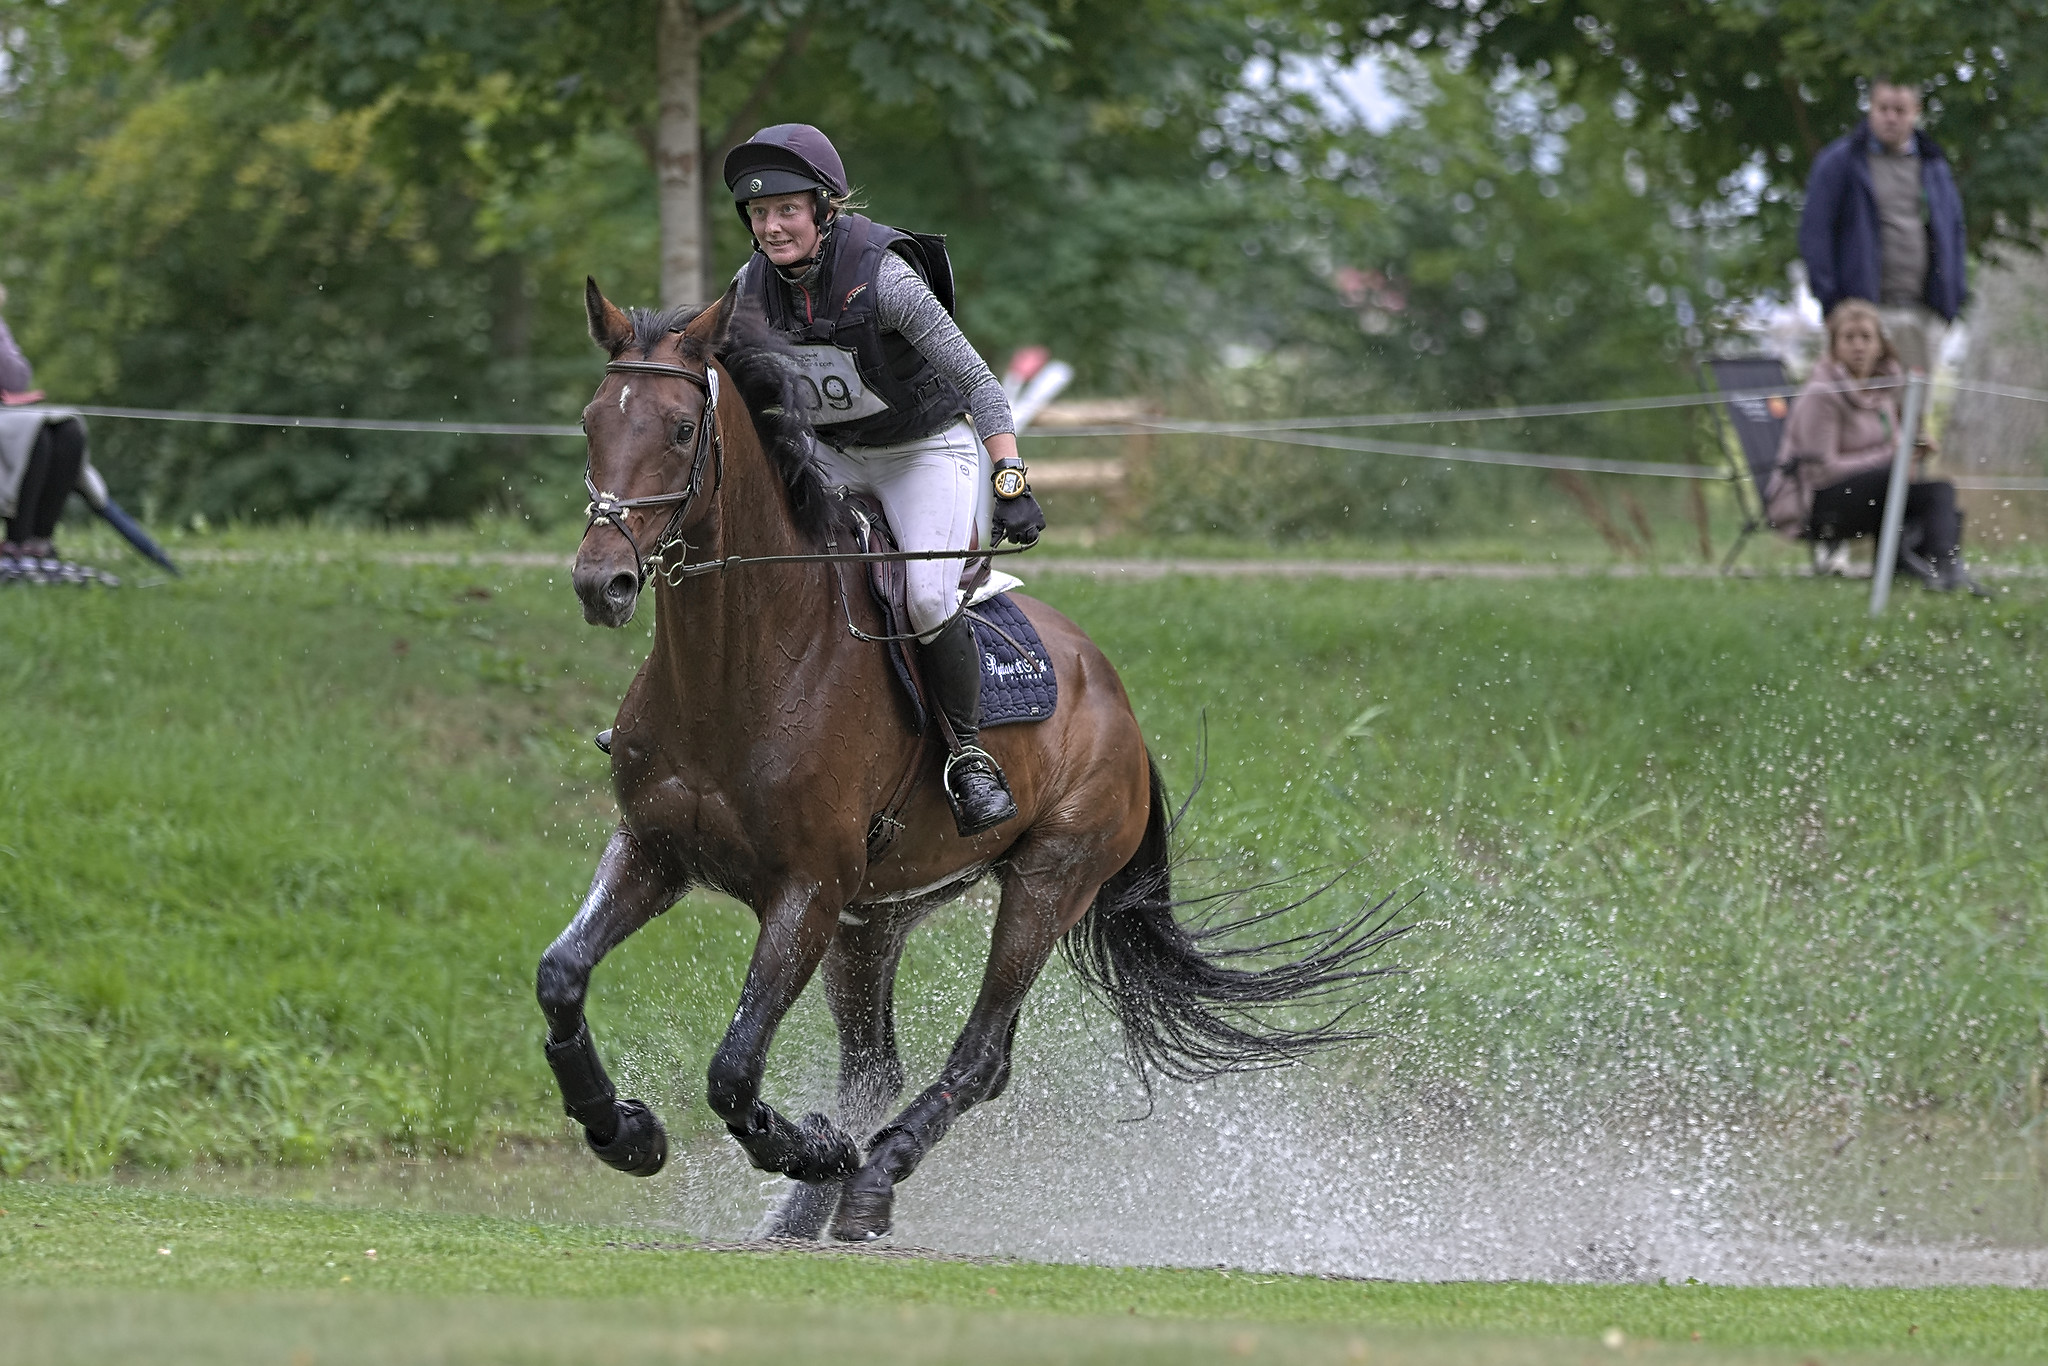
(754, 355)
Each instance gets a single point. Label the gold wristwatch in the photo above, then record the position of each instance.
(1010, 480)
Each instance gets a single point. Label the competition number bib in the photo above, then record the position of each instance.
(830, 385)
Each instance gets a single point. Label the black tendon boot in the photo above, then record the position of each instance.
(975, 787)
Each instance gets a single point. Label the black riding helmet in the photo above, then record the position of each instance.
(784, 158)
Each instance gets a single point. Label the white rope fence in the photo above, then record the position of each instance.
(338, 424)
(1138, 426)
(1297, 431)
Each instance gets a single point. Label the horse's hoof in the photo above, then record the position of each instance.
(639, 1147)
(802, 1213)
(864, 1209)
(821, 1155)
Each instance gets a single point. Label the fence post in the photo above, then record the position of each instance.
(1895, 495)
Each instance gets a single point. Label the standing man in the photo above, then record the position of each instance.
(1883, 222)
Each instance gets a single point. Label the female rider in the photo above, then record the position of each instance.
(906, 410)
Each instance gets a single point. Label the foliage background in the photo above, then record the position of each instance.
(388, 210)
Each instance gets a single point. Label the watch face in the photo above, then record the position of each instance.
(1010, 483)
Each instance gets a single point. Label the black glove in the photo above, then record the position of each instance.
(1018, 519)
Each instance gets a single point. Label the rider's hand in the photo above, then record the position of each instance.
(1018, 519)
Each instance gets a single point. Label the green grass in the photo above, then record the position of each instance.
(281, 843)
(93, 1274)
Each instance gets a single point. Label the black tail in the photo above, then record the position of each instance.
(1187, 1011)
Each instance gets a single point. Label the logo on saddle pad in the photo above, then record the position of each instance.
(991, 667)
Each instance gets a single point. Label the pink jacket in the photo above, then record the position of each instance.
(15, 376)
(1829, 437)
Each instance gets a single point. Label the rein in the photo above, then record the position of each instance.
(677, 574)
(709, 441)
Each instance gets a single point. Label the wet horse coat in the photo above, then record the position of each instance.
(754, 751)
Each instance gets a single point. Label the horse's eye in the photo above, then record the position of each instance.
(684, 430)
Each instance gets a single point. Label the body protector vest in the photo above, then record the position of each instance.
(863, 386)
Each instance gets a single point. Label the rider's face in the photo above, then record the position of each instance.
(783, 225)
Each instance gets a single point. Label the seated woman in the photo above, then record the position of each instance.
(1835, 459)
(40, 461)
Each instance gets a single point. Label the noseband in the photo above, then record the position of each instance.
(707, 446)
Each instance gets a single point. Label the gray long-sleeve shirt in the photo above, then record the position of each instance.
(15, 375)
(905, 305)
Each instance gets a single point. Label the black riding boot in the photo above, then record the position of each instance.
(975, 787)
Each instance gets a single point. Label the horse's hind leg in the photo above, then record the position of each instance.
(628, 891)
(860, 983)
(1028, 926)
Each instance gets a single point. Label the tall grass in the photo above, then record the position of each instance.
(1705, 834)
(280, 844)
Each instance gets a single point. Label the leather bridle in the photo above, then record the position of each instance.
(707, 448)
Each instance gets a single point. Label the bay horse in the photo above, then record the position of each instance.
(758, 744)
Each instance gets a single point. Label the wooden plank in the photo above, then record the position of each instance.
(1077, 474)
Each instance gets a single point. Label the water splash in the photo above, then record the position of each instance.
(1292, 1172)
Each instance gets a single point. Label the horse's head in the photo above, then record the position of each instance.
(654, 451)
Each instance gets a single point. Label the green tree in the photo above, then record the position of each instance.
(406, 235)
(225, 244)
(688, 81)
(1754, 89)
(1503, 246)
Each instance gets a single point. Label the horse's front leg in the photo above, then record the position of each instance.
(796, 929)
(629, 890)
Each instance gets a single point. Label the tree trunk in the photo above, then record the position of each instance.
(679, 33)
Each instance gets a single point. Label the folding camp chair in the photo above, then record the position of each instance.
(1759, 423)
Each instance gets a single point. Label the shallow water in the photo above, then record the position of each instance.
(1267, 1174)
(1300, 1171)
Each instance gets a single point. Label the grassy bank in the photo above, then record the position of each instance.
(280, 844)
(94, 1274)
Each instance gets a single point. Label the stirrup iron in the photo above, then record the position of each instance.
(995, 805)
(970, 754)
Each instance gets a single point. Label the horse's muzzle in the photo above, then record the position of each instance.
(608, 593)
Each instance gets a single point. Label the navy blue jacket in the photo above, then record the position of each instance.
(1838, 231)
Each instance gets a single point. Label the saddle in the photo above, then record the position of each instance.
(1017, 680)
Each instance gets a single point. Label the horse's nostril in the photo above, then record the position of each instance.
(622, 587)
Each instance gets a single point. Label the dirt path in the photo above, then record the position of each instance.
(1135, 570)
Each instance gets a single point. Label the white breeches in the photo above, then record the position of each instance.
(936, 493)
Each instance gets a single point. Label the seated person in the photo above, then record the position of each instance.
(40, 460)
(1835, 460)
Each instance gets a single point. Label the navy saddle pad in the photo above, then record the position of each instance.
(1017, 684)
(1014, 686)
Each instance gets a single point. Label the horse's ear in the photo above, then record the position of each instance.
(609, 327)
(713, 324)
